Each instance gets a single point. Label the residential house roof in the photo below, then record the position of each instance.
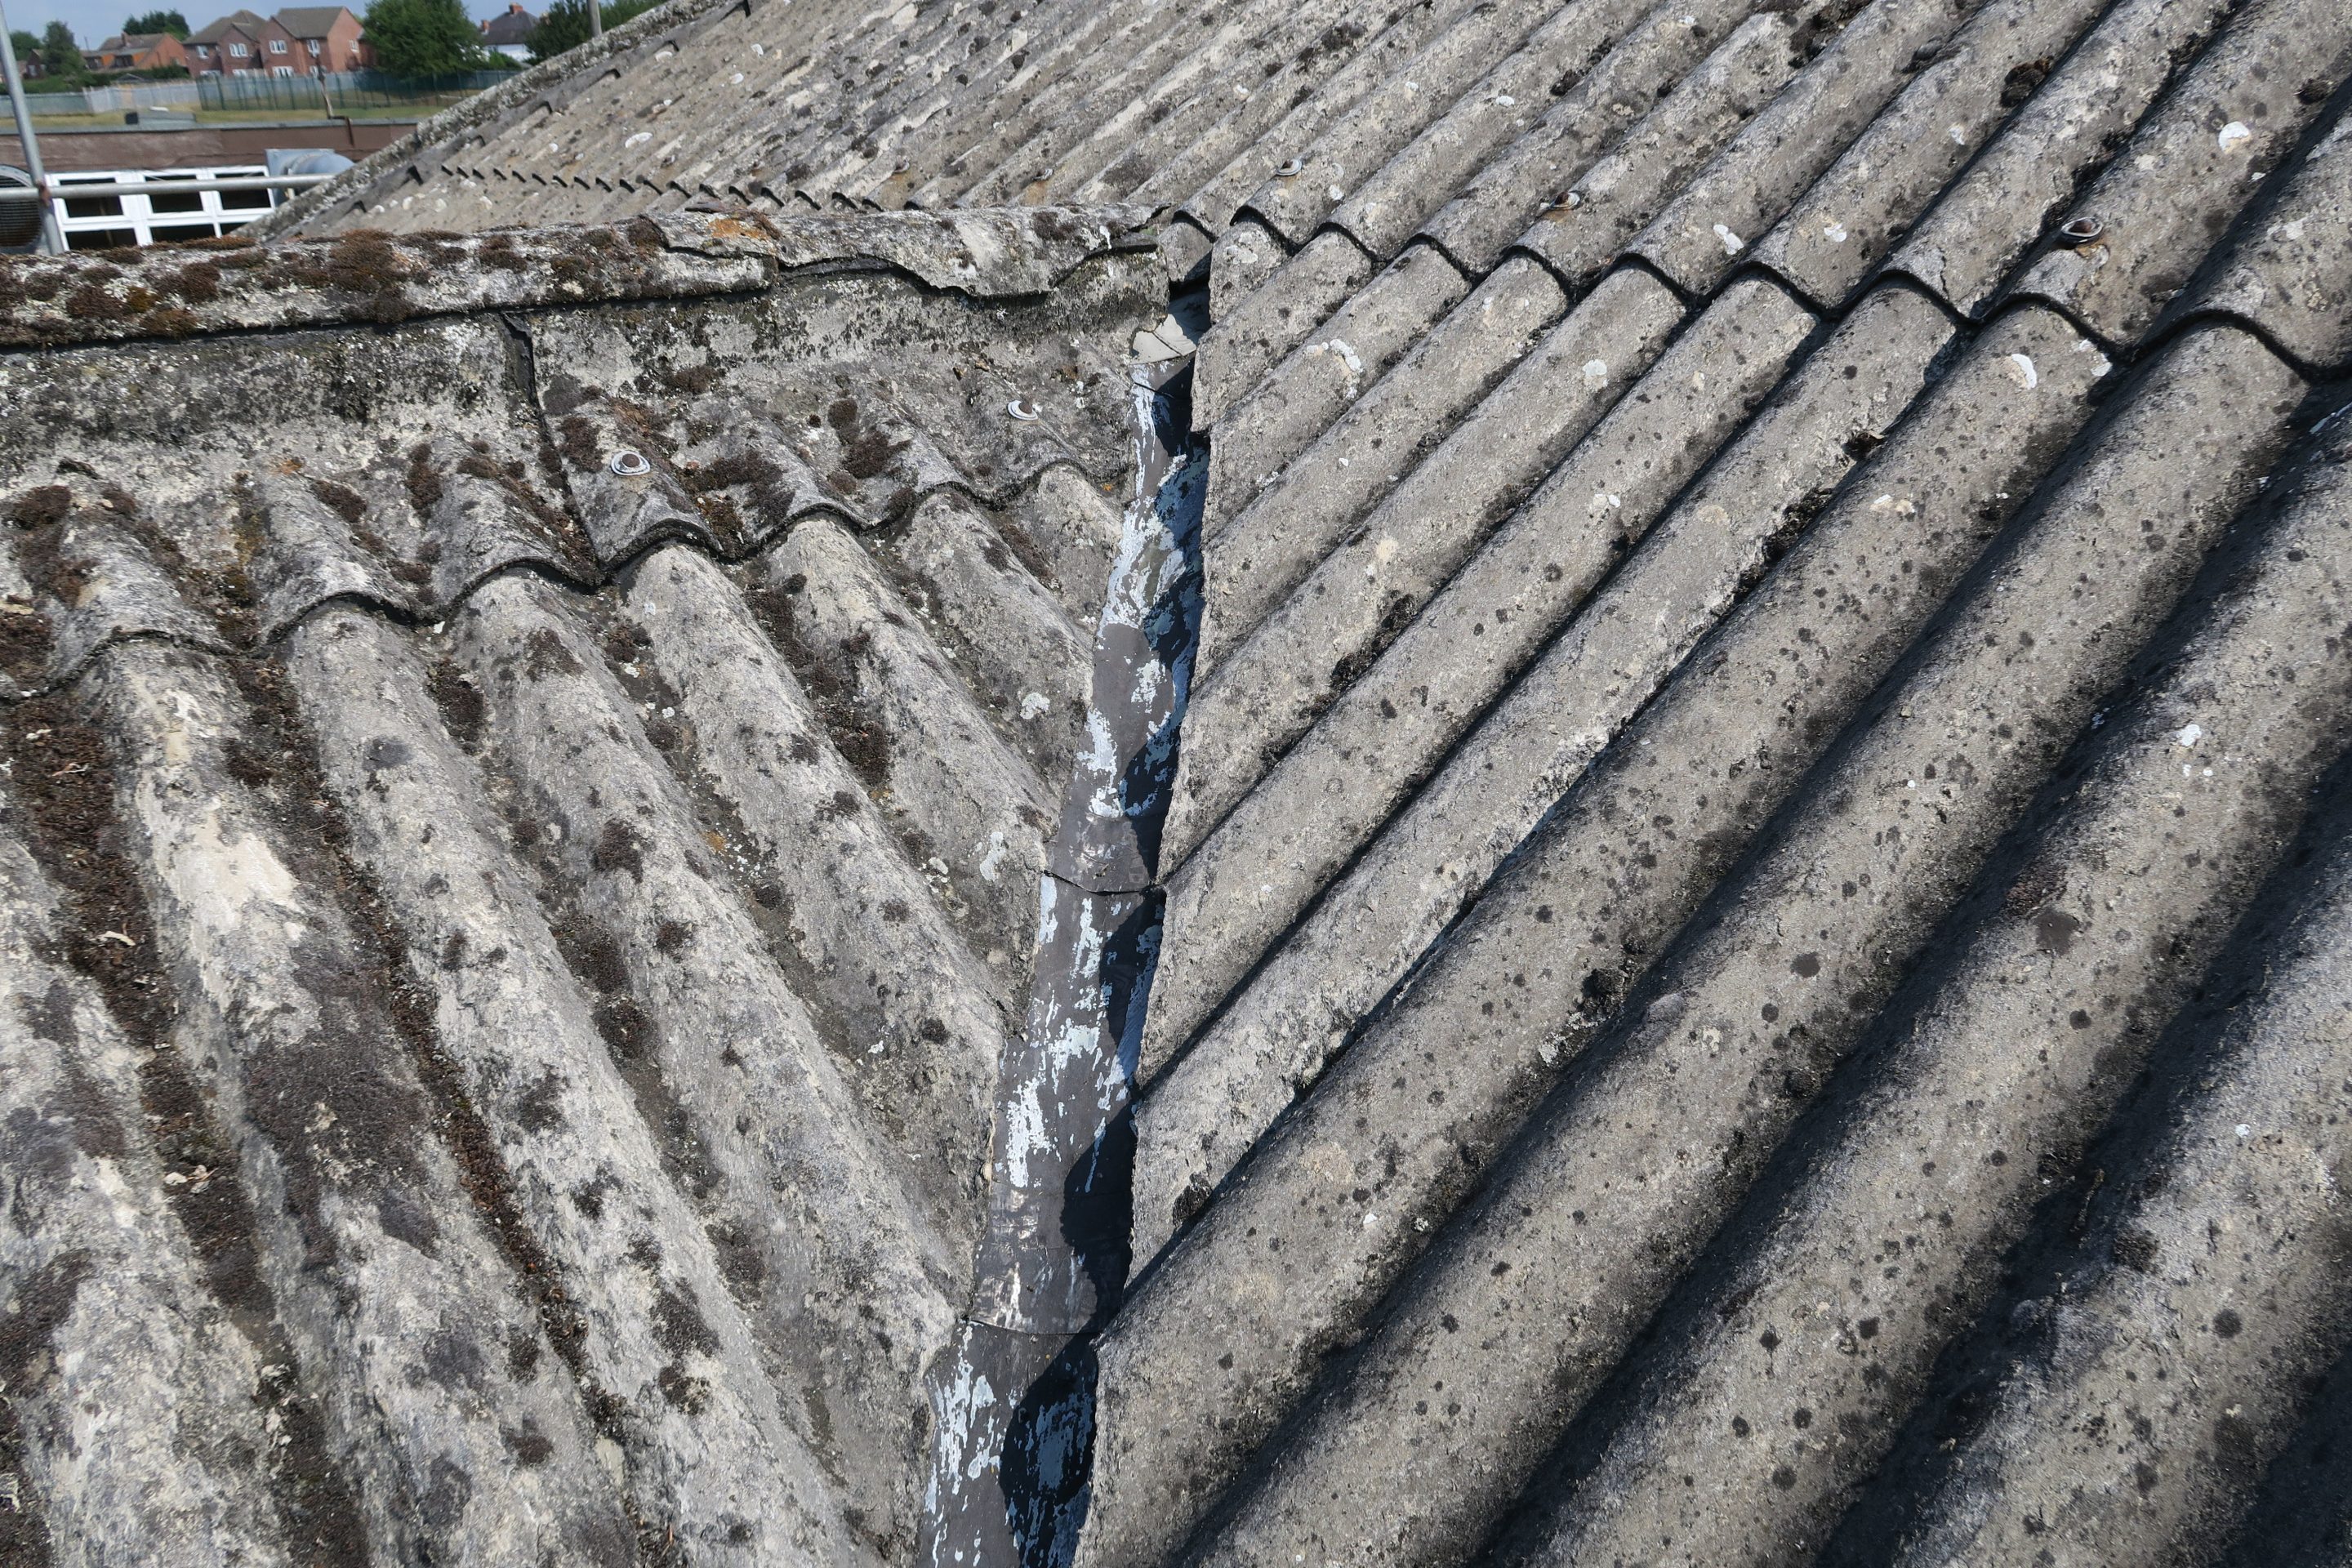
(513, 26)
(1756, 909)
(213, 32)
(312, 21)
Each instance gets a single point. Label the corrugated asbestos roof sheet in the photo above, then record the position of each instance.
(1755, 958)
(529, 762)
(1773, 615)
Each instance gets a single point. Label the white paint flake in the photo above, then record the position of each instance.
(2234, 133)
(1732, 244)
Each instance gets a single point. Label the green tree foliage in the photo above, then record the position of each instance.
(170, 21)
(417, 39)
(61, 57)
(26, 44)
(565, 25)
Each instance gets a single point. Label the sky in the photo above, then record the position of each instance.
(94, 20)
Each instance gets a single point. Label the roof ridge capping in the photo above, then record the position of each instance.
(368, 276)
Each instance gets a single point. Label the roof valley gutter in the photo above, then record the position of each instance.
(1012, 1399)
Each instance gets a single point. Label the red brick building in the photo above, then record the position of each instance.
(136, 52)
(325, 37)
(228, 47)
(301, 40)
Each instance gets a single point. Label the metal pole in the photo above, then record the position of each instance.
(171, 187)
(51, 240)
(595, 19)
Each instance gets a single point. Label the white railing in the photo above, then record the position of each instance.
(144, 207)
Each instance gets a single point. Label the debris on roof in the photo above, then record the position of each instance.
(1744, 960)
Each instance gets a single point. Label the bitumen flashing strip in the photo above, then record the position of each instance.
(1013, 1402)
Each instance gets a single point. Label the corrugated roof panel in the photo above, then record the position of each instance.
(1293, 203)
(532, 815)
(1210, 181)
(2183, 179)
(1495, 206)
(1407, 530)
(1853, 215)
(151, 1433)
(1288, 526)
(1383, 206)
(1701, 593)
(1612, 885)
(2228, 1332)
(1407, 883)
(2280, 272)
(2035, 645)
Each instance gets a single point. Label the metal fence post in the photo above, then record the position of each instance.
(51, 240)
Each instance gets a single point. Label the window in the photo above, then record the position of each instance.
(277, 45)
(160, 201)
(238, 49)
(281, 70)
(204, 51)
(314, 47)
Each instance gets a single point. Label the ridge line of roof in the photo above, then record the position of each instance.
(368, 277)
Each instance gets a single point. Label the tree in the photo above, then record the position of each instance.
(414, 39)
(170, 21)
(26, 46)
(565, 25)
(61, 59)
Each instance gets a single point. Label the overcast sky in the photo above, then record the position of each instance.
(93, 20)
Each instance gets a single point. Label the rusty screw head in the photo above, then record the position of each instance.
(629, 463)
(2081, 230)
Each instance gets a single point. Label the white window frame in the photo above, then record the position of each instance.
(277, 45)
(139, 215)
(236, 50)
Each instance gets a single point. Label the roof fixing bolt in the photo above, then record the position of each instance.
(628, 462)
(1292, 166)
(1021, 408)
(2081, 230)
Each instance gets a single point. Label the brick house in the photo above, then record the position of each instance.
(136, 52)
(229, 47)
(281, 52)
(300, 40)
(326, 38)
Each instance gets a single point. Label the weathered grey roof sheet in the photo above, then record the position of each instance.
(1752, 950)
(1584, 540)
(528, 766)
